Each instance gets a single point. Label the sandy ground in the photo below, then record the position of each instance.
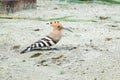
(91, 52)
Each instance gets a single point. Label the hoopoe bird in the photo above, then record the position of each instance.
(49, 40)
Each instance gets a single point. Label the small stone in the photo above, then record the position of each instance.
(103, 17)
(38, 65)
(95, 79)
(36, 29)
(83, 73)
(102, 71)
(107, 50)
(101, 50)
(86, 50)
(55, 8)
(75, 8)
(16, 47)
(91, 40)
(114, 26)
(23, 60)
(108, 39)
(87, 68)
(36, 55)
(43, 63)
(118, 38)
(62, 72)
(85, 30)
(82, 60)
(73, 48)
(92, 46)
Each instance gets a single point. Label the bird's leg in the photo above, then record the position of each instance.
(54, 49)
(50, 48)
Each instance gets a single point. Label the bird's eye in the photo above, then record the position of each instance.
(54, 21)
(58, 26)
(50, 22)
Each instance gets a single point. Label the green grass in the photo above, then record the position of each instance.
(78, 1)
(67, 19)
(112, 1)
(64, 18)
(91, 1)
(60, 18)
(70, 19)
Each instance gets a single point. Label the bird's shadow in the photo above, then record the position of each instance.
(60, 48)
(51, 49)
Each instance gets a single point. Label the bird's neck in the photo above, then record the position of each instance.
(56, 34)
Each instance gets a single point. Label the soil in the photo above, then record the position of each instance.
(90, 52)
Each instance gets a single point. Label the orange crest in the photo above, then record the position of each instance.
(55, 24)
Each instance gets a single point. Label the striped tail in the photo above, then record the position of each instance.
(44, 42)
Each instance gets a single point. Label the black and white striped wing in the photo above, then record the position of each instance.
(44, 42)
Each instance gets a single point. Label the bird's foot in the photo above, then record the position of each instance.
(54, 49)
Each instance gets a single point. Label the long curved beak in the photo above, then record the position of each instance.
(67, 29)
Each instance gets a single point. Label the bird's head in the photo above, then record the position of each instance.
(57, 25)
